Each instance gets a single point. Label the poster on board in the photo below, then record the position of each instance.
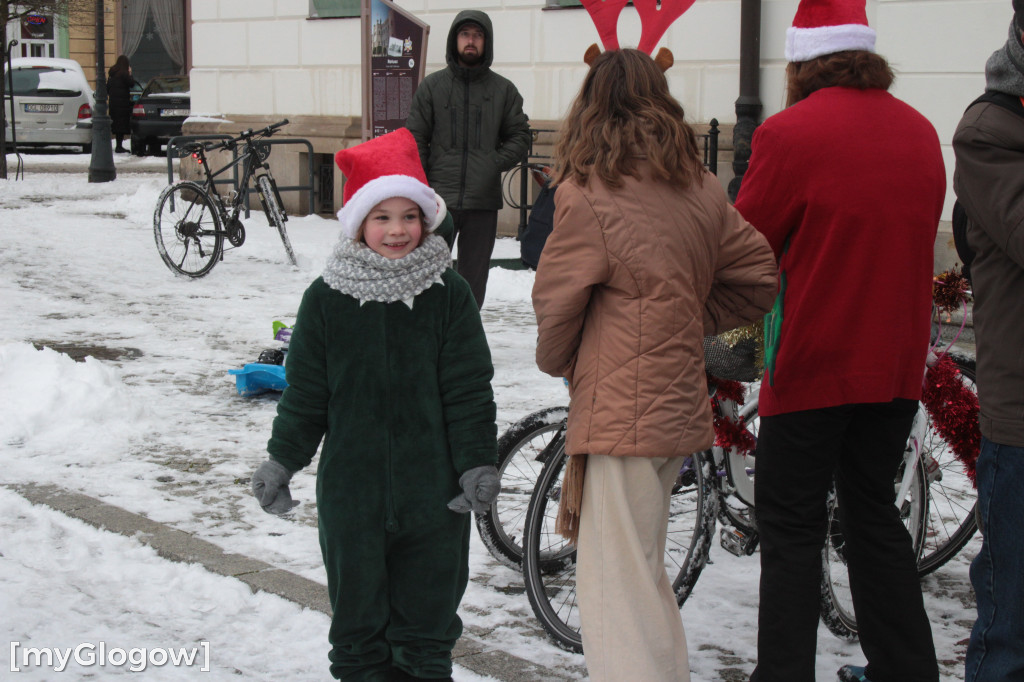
(394, 60)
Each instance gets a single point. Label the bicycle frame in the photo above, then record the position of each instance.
(251, 161)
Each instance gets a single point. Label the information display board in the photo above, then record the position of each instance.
(394, 61)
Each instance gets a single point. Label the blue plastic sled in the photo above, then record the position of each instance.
(256, 378)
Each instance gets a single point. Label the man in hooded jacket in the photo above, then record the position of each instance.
(470, 128)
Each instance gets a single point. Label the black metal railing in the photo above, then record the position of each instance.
(173, 151)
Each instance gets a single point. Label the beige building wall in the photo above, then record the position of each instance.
(82, 38)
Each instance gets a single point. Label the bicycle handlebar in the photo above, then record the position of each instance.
(245, 136)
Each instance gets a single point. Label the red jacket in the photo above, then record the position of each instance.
(847, 185)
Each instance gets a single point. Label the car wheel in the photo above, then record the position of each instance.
(154, 147)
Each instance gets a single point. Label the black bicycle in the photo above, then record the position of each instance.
(192, 219)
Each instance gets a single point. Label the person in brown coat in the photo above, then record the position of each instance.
(646, 257)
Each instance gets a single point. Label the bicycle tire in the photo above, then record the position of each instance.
(187, 230)
(953, 497)
(836, 603)
(275, 212)
(522, 449)
(549, 562)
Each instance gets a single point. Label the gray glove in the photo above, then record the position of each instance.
(270, 487)
(480, 487)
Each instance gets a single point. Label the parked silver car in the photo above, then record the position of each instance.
(53, 103)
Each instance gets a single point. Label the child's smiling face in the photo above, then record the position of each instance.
(393, 228)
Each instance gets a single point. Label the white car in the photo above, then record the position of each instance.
(53, 103)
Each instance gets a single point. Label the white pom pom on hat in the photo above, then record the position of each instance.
(382, 168)
(822, 27)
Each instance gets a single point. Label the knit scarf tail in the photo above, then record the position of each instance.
(567, 524)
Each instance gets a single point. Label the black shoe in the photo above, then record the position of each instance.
(120, 150)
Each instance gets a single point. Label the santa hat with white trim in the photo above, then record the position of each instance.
(822, 27)
(382, 168)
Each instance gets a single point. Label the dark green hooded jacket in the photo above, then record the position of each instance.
(469, 125)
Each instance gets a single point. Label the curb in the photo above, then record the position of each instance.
(471, 651)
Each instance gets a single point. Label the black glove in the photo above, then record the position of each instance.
(480, 487)
(270, 487)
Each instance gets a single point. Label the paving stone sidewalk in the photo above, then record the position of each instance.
(471, 652)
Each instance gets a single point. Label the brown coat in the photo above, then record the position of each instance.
(629, 283)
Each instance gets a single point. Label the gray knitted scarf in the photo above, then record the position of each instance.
(1004, 70)
(355, 269)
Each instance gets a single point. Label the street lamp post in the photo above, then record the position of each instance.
(748, 104)
(101, 166)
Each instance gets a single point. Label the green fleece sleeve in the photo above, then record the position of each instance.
(302, 411)
(466, 371)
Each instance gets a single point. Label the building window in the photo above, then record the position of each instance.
(332, 9)
(561, 4)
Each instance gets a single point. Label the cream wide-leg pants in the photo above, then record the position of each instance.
(631, 627)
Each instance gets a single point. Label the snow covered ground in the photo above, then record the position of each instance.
(152, 423)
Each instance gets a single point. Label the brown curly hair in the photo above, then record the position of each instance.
(857, 69)
(624, 112)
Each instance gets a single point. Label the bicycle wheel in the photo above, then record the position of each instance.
(549, 564)
(275, 211)
(836, 601)
(522, 450)
(953, 497)
(187, 230)
(732, 510)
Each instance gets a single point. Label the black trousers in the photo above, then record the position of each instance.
(475, 232)
(797, 455)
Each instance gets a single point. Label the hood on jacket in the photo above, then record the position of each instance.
(452, 52)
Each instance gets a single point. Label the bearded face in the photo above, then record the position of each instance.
(470, 45)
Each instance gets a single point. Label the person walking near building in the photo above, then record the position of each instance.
(989, 184)
(847, 184)
(119, 96)
(646, 258)
(470, 128)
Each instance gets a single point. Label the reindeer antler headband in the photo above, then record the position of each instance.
(654, 20)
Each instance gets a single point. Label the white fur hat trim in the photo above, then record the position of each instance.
(803, 44)
(385, 187)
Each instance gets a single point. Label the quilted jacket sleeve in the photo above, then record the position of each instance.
(515, 131)
(745, 279)
(574, 260)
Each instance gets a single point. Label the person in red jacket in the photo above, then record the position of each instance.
(847, 184)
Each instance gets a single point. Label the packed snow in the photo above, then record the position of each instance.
(151, 422)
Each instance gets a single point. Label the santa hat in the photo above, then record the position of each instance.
(822, 27)
(382, 168)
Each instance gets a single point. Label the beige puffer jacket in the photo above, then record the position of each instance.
(629, 283)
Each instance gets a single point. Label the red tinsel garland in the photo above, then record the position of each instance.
(953, 409)
(950, 290)
(728, 433)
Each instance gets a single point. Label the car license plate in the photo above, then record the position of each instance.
(174, 112)
(41, 108)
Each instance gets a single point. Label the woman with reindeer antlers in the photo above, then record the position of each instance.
(645, 259)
